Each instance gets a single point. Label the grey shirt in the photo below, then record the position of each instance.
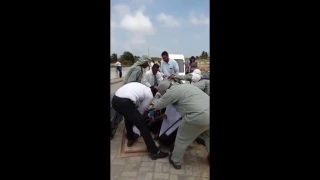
(204, 85)
(134, 75)
(189, 101)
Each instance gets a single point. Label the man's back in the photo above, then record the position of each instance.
(134, 91)
(189, 99)
(204, 85)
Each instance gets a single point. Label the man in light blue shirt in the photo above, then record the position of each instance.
(168, 66)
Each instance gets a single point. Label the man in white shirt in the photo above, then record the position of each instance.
(118, 68)
(168, 66)
(152, 78)
(125, 101)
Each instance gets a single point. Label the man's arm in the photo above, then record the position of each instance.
(134, 75)
(164, 100)
(145, 80)
(146, 102)
(159, 77)
(183, 77)
(201, 85)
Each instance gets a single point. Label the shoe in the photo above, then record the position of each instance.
(159, 155)
(176, 166)
(130, 142)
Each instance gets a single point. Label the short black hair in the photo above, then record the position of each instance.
(164, 53)
(155, 66)
(192, 57)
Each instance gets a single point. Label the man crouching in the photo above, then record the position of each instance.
(125, 101)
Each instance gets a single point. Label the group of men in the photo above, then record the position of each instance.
(160, 88)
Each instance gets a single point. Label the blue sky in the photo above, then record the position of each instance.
(176, 26)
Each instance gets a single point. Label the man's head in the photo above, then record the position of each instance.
(143, 61)
(144, 65)
(163, 86)
(165, 56)
(155, 68)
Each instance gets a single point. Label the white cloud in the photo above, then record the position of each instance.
(198, 19)
(137, 23)
(138, 39)
(168, 20)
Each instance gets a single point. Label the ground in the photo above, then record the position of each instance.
(115, 86)
(194, 166)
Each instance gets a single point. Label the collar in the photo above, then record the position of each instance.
(167, 62)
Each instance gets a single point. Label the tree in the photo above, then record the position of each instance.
(197, 57)
(128, 56)
(204, 55)
(113, 58)
(136, 58)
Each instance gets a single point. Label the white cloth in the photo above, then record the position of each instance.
(172, 116)
(138, 93)
(118, 64)
(148, 78)
(150, 65)
(196, 76)
(136, 130)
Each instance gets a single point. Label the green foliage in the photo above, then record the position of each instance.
(128, 56)
(128, 59)
(204, 55)
(113, 58)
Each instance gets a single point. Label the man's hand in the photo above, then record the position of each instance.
(164, 116)
(158, 95)
(153, 90)
(171, 76)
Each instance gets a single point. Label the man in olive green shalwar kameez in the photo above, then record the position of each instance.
(193, 105)
(135, 72)
(203, 84)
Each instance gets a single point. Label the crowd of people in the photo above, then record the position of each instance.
(160, 88)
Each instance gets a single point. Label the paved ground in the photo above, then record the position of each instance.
(194, 167)
(115, 86)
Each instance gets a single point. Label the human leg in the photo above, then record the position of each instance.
(187, 133)
(205, 136)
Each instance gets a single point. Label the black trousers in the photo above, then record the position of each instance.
(132, 116)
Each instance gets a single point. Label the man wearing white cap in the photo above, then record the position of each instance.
(204, 84)
(193, 77)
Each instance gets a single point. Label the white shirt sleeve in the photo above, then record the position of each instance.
(148, 97)
(145, 79)
(159, 77)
